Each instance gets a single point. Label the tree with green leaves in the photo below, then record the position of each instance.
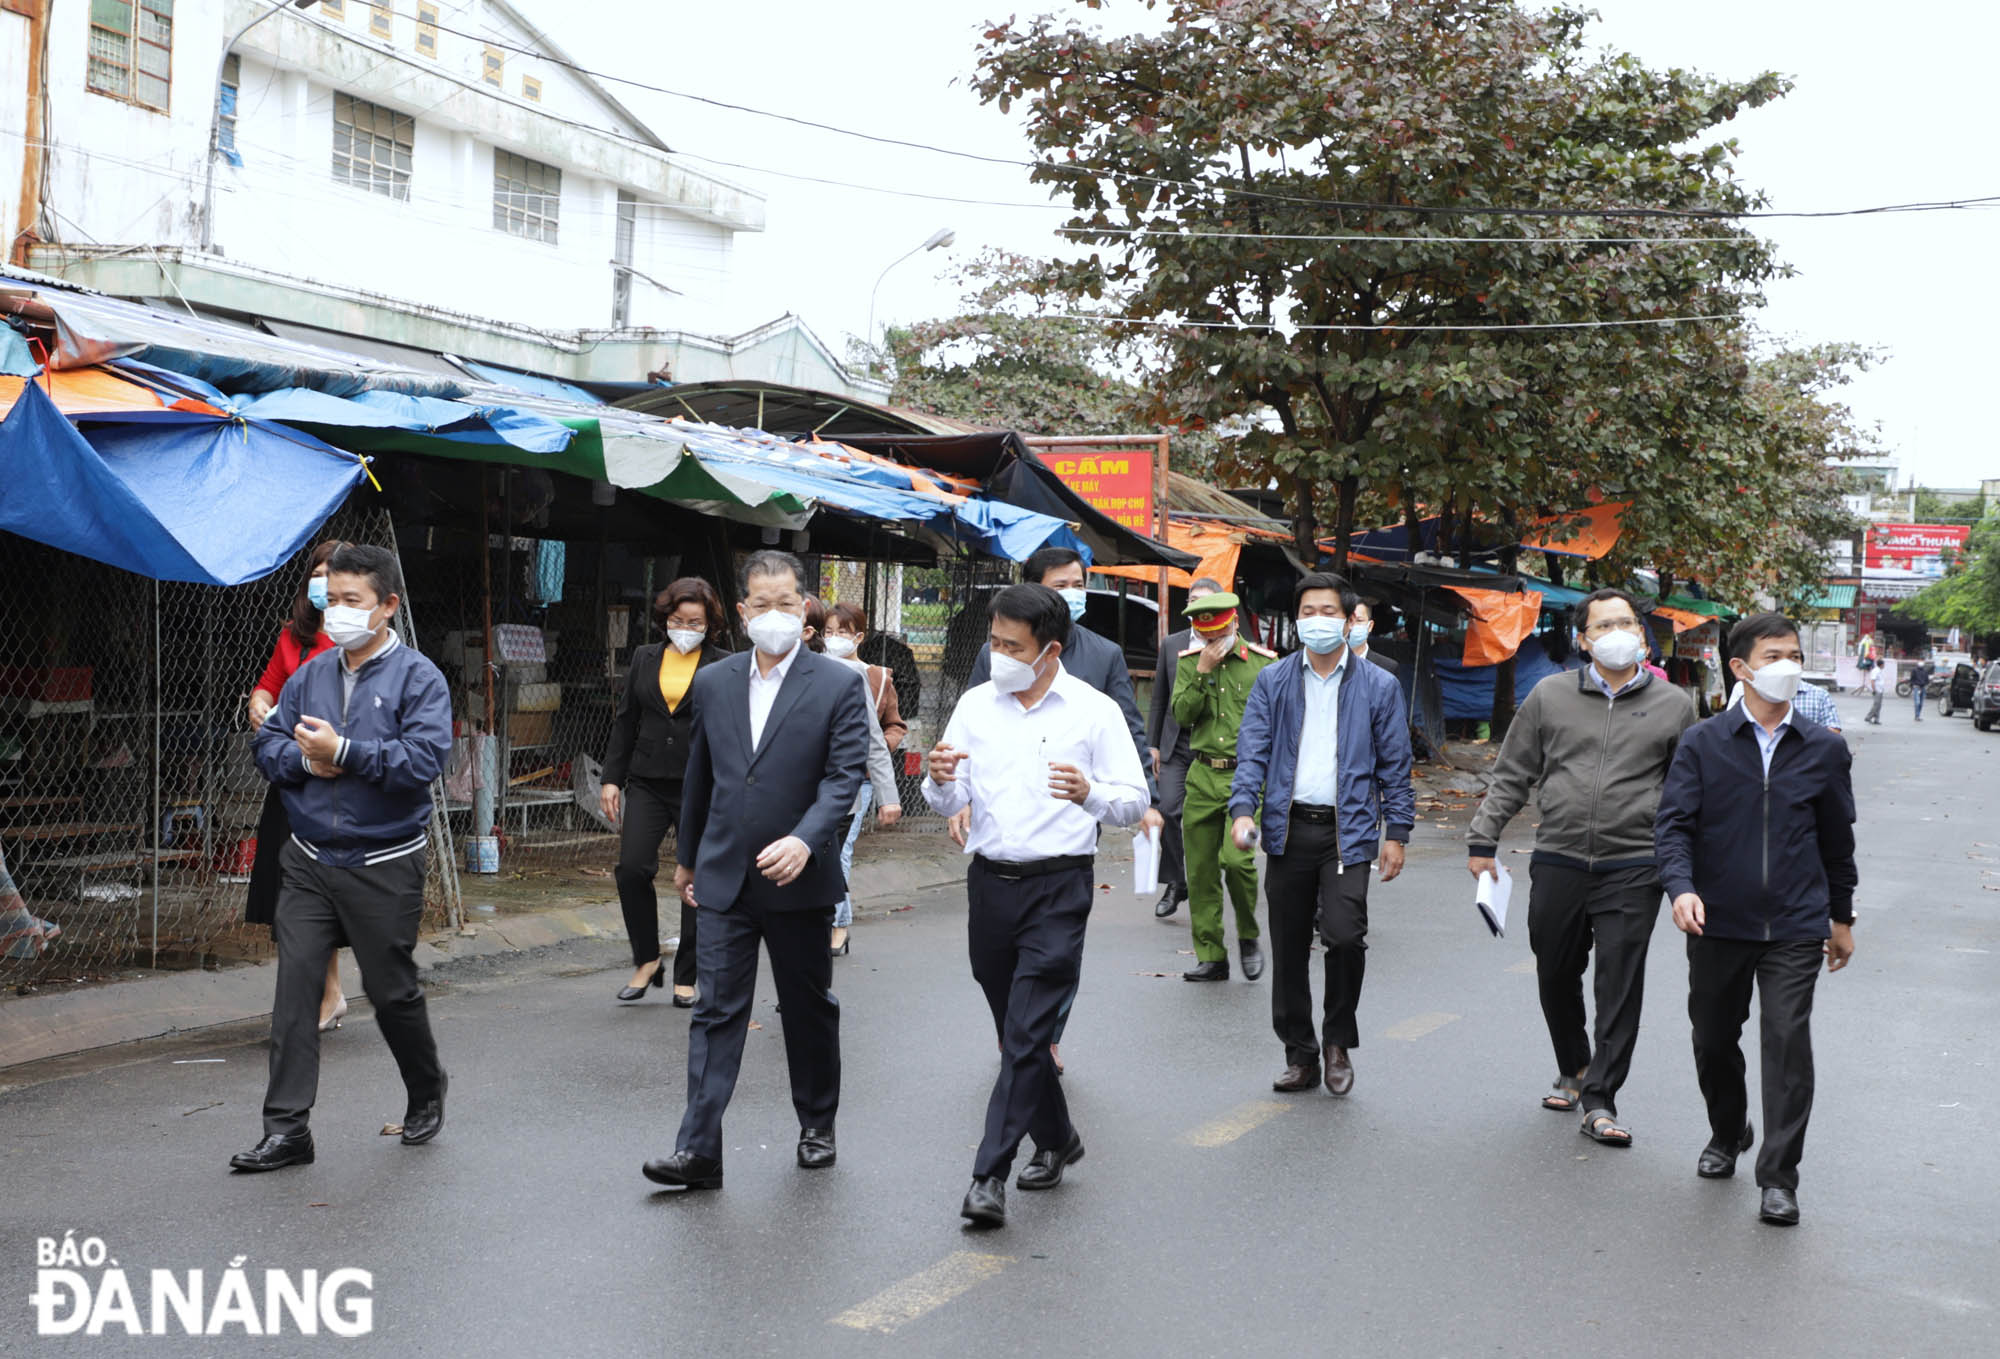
(1968, 598)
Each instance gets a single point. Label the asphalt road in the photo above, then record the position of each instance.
(1437, 1210)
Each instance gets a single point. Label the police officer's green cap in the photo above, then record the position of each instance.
(1222, 599)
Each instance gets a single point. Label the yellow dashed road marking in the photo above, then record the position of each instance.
(1526, 966)
(1415, 1027)
(900, 1304)
(1222, 1131)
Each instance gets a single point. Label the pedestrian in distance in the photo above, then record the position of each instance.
(1881, 681)
(357, 737)
(1592, 747)
(1755, 837)
(780, 747)
(302, 638)
(1169, 757)
(1920, 683)
(644, 766)
(1212, 682)
(1039, 759)
(1326, 749)
(835, 634)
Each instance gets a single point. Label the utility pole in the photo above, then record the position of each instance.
(215, 120)
(35, 128)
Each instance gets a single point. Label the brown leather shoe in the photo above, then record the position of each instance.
(1339, 1071)
(1295, 1079)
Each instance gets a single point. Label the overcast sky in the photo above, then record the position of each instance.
(1892, 104)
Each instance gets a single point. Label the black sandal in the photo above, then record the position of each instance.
(1603, 1128)
(1565, 1096)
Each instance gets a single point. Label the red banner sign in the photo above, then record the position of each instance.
(1116, 481)
(1904, 544)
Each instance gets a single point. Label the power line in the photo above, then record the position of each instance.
(1362, 326)
(1370, 238)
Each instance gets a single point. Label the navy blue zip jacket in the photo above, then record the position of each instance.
(1771, 857)
(1373, 780)
(395, 738)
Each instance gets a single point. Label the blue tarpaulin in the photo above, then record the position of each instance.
(212, 502)
(535, 382)
(465, 421)
(1467, 690)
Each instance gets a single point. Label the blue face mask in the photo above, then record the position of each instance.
(1322, 635)
(316, 592)
(1076, 599)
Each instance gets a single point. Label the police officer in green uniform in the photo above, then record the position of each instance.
(1211, 686)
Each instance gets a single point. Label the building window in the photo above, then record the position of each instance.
(427, 32)
(527, 196)
(225, 123)
(132, 50)
(494, 68)
(333, 9)
(531, 88)
(378, 21)
(372, 146)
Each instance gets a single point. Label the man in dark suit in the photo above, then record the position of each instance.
(780, 748)
(1169, 756)
(1359, 629)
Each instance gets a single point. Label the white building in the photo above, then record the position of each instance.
(429, 174)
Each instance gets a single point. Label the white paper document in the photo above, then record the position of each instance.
(1146, 862)
(1492, 901)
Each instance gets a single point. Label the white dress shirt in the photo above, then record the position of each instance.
(1316, 779)
(1767, 741)
(1015, 818)
(764, 692)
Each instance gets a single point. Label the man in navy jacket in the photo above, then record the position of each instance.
(357, 737)
(1326, 748)
(1755, 841)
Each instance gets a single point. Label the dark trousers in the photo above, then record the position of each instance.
(1173, 801)
(1721, 973)
(376, 910)
(1569, 910)
(726, 965)
(1307, 890)
(1875, 708)
(1025, 937)
(267, 879)
(652, 808)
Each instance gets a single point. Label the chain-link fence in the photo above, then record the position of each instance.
(129, 801)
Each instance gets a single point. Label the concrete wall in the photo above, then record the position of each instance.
(13, 122)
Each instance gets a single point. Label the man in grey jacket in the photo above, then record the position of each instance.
(1593, 747)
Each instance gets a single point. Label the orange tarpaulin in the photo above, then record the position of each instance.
(1500, 622)
(1683, 619)
(1592, 534)
(85, 391)
(1218, 546)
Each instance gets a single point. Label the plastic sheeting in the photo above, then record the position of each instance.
(1466, 691)
(461, 420)
(177, 496)
(1501, 621)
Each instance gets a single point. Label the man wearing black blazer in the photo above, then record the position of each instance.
(780, 749)
(1170, 756)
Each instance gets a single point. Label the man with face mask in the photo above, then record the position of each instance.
(1212, 681)
(1755, 837)
(1592, 747)
(353, 745)
(779, 749)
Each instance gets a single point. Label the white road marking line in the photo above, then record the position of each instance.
(1416, 1026)
(900, 1304)
(1526, 967)
(1220, 1132)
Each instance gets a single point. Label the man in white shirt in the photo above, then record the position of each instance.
(1041, 759)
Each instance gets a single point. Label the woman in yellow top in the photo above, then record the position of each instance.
(645, 765)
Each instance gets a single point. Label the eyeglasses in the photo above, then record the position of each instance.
(1598, 629)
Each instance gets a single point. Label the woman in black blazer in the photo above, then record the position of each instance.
(643, 770)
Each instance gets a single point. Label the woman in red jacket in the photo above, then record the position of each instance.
(300, 641)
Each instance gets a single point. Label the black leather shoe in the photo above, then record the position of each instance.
(1719, 1163)
(1296, 1078)
(1216, 971)
(685, 1170)
(1045, 1169)
(815, 1148)
(425, 1116)
(986, 1202)
(276, 1152)
(654, 983)
(1253, 959)
(1339, 1071)
(1170, 901)
(1780, 1206)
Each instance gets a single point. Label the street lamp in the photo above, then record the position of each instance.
(215, 119)
(942, 237)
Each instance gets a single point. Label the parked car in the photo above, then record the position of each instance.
(1955, 694)
(1986, 698)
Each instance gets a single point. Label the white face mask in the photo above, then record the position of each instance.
(836, 645)
(348, 628)
(776, 632)
(1011, 676)
(1617, 650)
(1777, 681)
(685, 639)
(1357, 633)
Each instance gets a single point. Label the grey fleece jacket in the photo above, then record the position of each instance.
(1595, 766)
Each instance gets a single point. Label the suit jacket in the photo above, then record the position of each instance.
(1383, 661)
(647, 740)
(800, 781)
(1163, 729)
(1098, 662)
